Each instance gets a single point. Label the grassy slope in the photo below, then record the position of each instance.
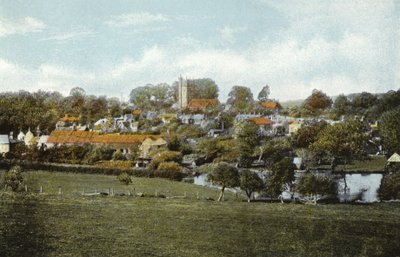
(71, 225)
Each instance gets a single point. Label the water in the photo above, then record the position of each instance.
(360, 186)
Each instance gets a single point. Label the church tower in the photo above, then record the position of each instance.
(183, 94)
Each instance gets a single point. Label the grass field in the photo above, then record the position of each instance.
(72, 225)
(375, 164)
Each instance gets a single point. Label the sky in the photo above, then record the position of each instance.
(110, 47)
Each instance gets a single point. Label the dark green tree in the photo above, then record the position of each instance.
(390, 130)
(250, 182)
(316, 186)
(224, 175)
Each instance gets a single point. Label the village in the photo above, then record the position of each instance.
(193, 136)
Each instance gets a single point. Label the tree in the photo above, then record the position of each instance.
(165, 156)
(250, 182)
(118, 156)
(275, 150)
(204, 88)
(316, 186)
(342, 105)
(281, 177)
(318, 101)
(390, 130)
(224, 175)
(390, 187)
(343, 140)
(241, 99)
(13, 178)
(264, 94)
(247, 138)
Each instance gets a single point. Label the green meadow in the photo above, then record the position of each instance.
(69, 224)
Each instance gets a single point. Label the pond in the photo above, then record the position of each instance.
(352, 186)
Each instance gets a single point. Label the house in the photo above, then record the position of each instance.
(264, 124)
(245, 116)
(270, 106)
(202, 104)
(122, 142)
(193, 119)
(150, 144)
(43, 142)
(66, 122)
(29, 138)
(21, 136)
(4, 144)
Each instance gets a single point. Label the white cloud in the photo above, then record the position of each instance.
(23, 26)
(72, 35)
(229, 34)
(136, 19)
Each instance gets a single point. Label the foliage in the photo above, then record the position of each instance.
(281, 177)
(247, 138)
(169, 166)
(118, 156)
(13, 178)
(241, 99)
(165, 156)
(124, 178)
(152, 97)
(307, 134)
(318, 100)
(204, 88)
(250, 182)
(275, 150)
(315, 185)
(264, 94)
(390, 187)
(224, 175)
(390, 130)
(342, 105)
(189, 131)
(343, 140)
(218, 149)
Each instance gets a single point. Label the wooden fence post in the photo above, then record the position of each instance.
(41, 189)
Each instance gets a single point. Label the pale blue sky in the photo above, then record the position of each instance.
(110, 47)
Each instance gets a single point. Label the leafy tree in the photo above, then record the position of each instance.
(264, 94)
(152, 97)
(204, 88)
(118, 156)
(316, 186)
(13, 178)
(318, 101)
(250, 182)
(224, 175)
(281, 177)
(124, 178)
(169, 166)
(390, 187)
(364, 100)
(390, 130)
(241, 99)
(218, 149)
(342, 105)
(343, 140)
(247, 138)
(275, 150)
(174, 143)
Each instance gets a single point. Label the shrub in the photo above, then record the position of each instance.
(166, 156)
(169, 174)
(169, 166)
(13, 178)
(118, 156)
(124, 178)
(390, 187)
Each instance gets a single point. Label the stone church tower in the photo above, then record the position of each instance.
(183, 93)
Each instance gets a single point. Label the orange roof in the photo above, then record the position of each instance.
(136, 112)
(67, 118)
(261, 121)
(269, 105)
(201, 104)
(82, 137)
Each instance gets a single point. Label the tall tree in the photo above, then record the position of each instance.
(247, 138)
(264, 94)
(316, 186)
(224, 175)
(241, 99)
(318, 101)
(342, 105)
(281, 177)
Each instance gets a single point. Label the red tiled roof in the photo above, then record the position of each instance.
(270, 105)
(261, 121)
(201, 104)
(82, 137)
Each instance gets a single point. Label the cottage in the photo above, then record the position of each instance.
(270, 106)
(167, 118)
(4, 144)
(264, 124)
(150, 144)
(294, 126)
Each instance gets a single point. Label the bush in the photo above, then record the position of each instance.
(118, 156)
(124, 178)
(390, 187)
(166, 156)
(169, 174)
(13, 178)
(169, 166)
